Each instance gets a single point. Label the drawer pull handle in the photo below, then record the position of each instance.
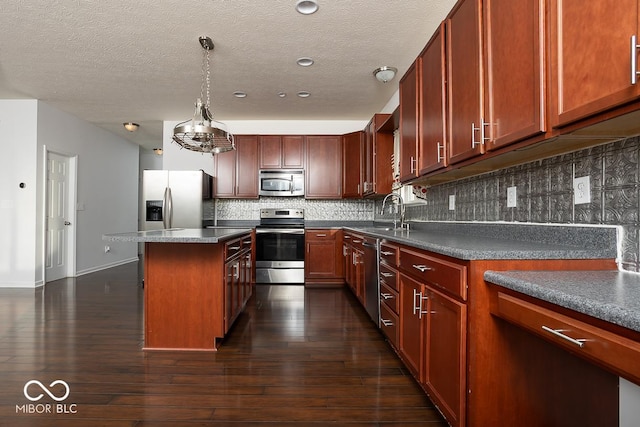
(385, 274)
(357, 241)
(321, 235)
(386, 322)
(386, 253)
(422, 268)
(234, 248)
(559, 334)
(386, 296)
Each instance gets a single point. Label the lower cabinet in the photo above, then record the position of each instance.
(237, 278)
(436, 312)
(445, 354)
(323, 257)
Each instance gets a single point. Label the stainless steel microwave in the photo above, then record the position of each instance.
(281, 182)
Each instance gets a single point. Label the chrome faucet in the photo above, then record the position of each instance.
(400, 201)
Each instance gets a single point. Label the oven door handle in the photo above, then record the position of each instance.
(280, 230)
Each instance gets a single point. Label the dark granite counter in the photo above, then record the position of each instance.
(612, 296)
(179, 235)
(476, 241)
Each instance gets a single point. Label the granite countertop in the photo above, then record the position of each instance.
(477, 241)
(612, 296)
(179, 235)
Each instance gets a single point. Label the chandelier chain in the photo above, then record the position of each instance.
(206, 79)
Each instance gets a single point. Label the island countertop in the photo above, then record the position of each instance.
(179, 235)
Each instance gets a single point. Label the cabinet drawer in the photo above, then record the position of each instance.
(389, 297)
(612, 351)
(389, 254)
(389, 276)
(389, 324)
(320, 234)
(440, 273)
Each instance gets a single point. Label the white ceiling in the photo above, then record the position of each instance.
(114, 61)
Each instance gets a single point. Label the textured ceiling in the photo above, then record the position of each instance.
(113, 61)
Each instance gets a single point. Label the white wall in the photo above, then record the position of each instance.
(107, 185)
(18, 222)
(177, 158)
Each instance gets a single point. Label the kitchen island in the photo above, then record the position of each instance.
(196, 283)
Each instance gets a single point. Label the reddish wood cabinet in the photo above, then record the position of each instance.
(352, 165)
(281, 151)
(591, 67)
(323, 173)
(236, 172)
(378, 151)
(467, 130)
(514, 70)
(194, 291)
(433, 140)
(409, 124)
(323, 258)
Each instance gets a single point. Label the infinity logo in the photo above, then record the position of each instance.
(46, 390)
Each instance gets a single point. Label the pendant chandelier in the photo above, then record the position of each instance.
(202, 134)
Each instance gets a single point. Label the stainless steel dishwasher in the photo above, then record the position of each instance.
(371, 248)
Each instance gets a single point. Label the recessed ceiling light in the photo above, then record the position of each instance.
(282, 94)
(304, 94)
(240, 94)
(305, 61)
(306, 7)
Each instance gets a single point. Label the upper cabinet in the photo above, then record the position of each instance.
(433, 141)
(514, 70)
(592, 69)
(378, 152)
(281, 151)
(467, 128)
(237, 170)
(323, 174)
(352, 166)
(409, 124)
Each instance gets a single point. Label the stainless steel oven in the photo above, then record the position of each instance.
(280, 246)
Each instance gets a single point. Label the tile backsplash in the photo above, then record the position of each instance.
(314, 210)
(545, 194)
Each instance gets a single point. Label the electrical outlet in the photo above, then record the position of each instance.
(581, 190)
(452, 202)
(512, 200)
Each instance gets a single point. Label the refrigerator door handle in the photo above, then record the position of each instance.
(166, 208)
(170, 207)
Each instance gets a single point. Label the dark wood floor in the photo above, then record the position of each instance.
(296, 357)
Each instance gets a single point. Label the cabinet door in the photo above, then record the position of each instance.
(381, 162)
(466, 126)
(433, 134)
(323, 177)
(323, 261)
(270, 148)
(247, 166)
(412, 324)
(292, 152)
(232, 277)
(591, 69)
(446, 355)
(409, 124)
(514, 34)
(352, 145)
(225, 179)
(367, 169)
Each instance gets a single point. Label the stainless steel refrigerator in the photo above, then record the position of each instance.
(174, 199)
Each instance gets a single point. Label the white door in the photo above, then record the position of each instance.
(56, 256)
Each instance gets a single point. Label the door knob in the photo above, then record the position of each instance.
(67, 223)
